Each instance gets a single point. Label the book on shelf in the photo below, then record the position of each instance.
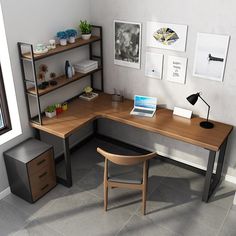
(88, 96)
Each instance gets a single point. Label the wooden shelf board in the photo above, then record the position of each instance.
(62, 81)
(78, 43)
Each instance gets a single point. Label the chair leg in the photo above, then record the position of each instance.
(105, 196)
(144, 198)
(144, 191)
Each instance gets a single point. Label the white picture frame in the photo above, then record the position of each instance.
(154, 65)
(176, 69)
(127, 43)
(210, 56)
(166, 36)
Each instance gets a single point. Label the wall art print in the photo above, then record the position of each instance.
(176, 69)
(127, 44)
(154, 65)
(166, 36)
(210, 56)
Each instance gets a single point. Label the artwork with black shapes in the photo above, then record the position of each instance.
(193, 99)
(210, 56)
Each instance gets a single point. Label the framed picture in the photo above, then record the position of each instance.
(166, 36)
(176, 69)
(210, 56)
(154, 65)
(127, 44)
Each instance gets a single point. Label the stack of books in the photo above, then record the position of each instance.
(86, 66)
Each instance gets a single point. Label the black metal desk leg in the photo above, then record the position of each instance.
(212, 180)
(67, 162)
(209, 174)
(68, 181)
(220, 162)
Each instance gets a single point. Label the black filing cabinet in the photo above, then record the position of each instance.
(30, 169)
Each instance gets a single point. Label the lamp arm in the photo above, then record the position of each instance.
(207, 105)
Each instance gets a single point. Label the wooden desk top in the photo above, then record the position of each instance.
(81, 112)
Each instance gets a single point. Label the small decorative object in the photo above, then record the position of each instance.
(166, 36)
(176, 70)
(210, 56)
(52, 75)
(117, 96)
(85, 29)
(43, 69)
(41, 76)
(40, 49)
(88, 94)
(193, 99)
(53, 83)
(154, 65)
(71, 34)
(50, 111)
(58, 109)
(62, 35)
(52, 43)
(127, 44)
(64, 106)
(42, 86)
(68, 70)
(45, 83)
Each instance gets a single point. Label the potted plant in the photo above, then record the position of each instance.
(85, 29)
(62, 35)
(50, 111)
(71, 34)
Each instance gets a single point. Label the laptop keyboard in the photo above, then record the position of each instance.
(143, 111)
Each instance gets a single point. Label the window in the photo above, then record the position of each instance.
(5, 123)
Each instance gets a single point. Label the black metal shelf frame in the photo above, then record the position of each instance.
(34, 82)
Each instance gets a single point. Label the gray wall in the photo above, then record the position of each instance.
(212, 16)
(36, 22)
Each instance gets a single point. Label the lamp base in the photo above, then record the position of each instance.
(206, 125)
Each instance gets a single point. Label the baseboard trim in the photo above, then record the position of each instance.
(5, 192)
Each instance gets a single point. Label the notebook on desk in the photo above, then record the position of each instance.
(144, 106)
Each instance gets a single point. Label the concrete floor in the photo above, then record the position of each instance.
(174, 204)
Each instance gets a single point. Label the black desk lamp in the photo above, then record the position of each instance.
(193, 99)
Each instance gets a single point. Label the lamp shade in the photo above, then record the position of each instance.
(193, 98)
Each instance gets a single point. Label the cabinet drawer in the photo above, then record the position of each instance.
(38, 163)
(42, 188)
(43, 175)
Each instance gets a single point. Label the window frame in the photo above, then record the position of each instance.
(4, 107)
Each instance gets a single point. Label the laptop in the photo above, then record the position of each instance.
(144, 106)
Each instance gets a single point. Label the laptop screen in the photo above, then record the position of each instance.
(145, 102)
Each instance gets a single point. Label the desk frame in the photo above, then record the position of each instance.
(163, 123)
(211, 179)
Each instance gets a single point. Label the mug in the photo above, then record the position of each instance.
(52, 43)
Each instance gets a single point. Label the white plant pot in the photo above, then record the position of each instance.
(71, 40)
(86, 36)
(50, 114)
(63, 42)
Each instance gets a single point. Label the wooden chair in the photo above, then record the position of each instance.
(126, 161)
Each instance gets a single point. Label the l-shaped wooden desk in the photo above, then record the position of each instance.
(81, 112)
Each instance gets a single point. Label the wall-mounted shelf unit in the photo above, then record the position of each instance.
(27, 55)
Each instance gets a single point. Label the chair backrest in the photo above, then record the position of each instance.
(126, 160)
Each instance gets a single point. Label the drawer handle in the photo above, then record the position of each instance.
(44, 187)
(41, 162)
(42, 175)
